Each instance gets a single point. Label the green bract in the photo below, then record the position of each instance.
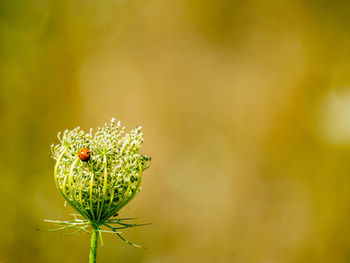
(99, 188)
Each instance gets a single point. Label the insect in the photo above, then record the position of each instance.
(84, 154)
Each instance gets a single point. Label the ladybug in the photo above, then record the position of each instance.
(84, 154)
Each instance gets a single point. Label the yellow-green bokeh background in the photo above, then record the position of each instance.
(246, 112)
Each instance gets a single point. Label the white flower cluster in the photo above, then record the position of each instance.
(100, 187)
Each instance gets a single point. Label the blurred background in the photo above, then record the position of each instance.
(246, 113)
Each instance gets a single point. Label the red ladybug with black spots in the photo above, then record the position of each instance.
(84, 154)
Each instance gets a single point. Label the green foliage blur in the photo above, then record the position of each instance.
(246, 113)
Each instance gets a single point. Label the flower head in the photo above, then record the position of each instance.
(99, 186)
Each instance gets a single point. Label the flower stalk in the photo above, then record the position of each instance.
(93, 248)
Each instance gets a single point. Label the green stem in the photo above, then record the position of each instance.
(94, 241)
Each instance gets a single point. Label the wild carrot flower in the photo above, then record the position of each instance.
(98, 174)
